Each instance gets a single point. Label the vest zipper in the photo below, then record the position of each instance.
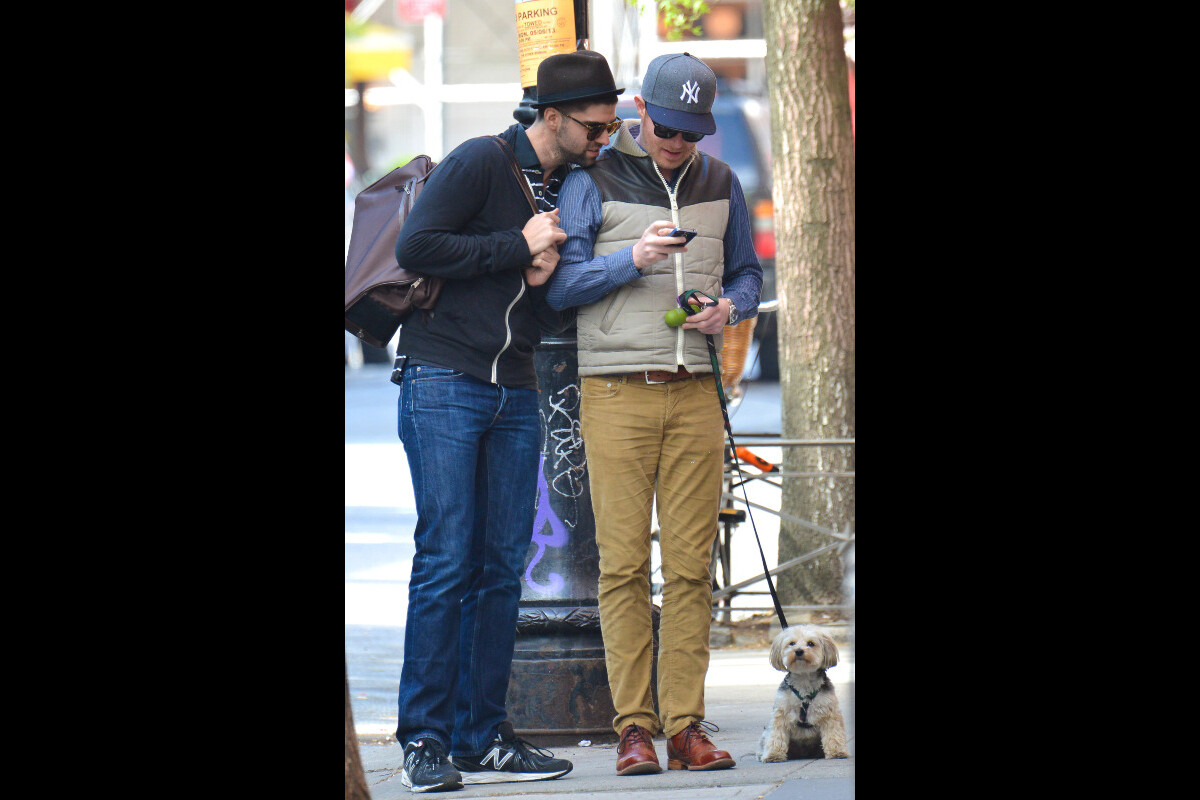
(679, 287)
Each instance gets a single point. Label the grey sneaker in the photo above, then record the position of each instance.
(511, 759)
(426, 768)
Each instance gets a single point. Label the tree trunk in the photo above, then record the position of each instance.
(356, 781)
(812, 150)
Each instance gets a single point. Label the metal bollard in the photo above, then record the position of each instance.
(558, 690)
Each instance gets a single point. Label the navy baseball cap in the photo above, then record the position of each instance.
(679, 90)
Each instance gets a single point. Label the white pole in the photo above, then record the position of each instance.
(432, 107)
(648, 45)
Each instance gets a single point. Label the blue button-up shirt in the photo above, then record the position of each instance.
(580, 279)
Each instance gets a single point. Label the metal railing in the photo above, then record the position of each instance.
(733, 518)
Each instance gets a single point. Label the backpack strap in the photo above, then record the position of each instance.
(516, 168)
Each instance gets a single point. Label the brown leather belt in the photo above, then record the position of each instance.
(657, 375)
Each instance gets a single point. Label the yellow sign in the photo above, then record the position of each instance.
(544, 28)
(371, 56)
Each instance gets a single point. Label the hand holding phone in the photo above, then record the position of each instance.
(654, 246)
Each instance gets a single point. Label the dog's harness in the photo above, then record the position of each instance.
(805, 700)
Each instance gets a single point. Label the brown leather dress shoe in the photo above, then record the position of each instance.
(691, 749)
(635, 752)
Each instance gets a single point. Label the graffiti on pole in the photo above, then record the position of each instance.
(557, 537)
(563, 458)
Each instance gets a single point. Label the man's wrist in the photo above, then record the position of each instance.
(733, 313)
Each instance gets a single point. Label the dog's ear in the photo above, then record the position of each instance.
(830, 654)
(776, 656)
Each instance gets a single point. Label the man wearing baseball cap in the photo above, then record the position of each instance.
(650, 414)
(470, 424)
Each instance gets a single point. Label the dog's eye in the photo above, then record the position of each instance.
(812, 644)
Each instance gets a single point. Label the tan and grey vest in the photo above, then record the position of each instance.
(624, 331)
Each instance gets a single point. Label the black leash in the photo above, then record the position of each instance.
(712, 354)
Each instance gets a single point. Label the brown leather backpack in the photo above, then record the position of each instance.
(381, 293)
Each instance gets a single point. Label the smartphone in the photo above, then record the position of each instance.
(687, 232)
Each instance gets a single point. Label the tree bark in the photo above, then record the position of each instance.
(356, 781)
(813, 184)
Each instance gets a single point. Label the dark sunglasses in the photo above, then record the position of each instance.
(663, 132)
(594, 128)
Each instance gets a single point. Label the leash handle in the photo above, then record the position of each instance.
(684, 300)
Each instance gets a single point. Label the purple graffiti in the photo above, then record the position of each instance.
(556, 538)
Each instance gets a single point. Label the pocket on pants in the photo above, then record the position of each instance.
(435, 395)
(599, 388)
(425, 372)
(708, 384)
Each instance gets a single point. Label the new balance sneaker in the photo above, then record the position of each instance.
(511, 759)
(426, 768)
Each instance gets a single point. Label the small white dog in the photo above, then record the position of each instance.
(806, 721)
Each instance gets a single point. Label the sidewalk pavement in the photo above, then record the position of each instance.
(739, 694)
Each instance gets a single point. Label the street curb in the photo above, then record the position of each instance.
(376, 738)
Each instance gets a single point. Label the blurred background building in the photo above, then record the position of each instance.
(450, 67)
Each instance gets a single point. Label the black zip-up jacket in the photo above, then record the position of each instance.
(466, 227)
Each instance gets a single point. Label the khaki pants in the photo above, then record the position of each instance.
(642, 441)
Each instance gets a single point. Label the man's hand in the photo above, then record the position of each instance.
(711, 319)
(542, 231)
(654, 247)
(542, 266)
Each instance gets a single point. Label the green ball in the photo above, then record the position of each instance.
(675, 317)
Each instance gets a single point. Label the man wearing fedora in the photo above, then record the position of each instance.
(650, 415)
(468, 417)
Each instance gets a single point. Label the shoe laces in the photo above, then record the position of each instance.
(508, 736)
(633, 734)
(698, 728)
(432, 750)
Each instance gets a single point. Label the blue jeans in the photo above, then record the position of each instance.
(473, 452)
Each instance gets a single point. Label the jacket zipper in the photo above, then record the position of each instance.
(679, 287)
(507, 328)
(508, 311)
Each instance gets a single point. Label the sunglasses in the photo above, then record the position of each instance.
(664, 132)
(594, 128)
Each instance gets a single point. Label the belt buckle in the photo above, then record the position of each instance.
(647, 374)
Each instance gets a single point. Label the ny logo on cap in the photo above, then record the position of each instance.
(690, 90)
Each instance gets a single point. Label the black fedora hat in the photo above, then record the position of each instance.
(568, 77)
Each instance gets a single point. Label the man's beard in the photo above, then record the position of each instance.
(582, 158)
